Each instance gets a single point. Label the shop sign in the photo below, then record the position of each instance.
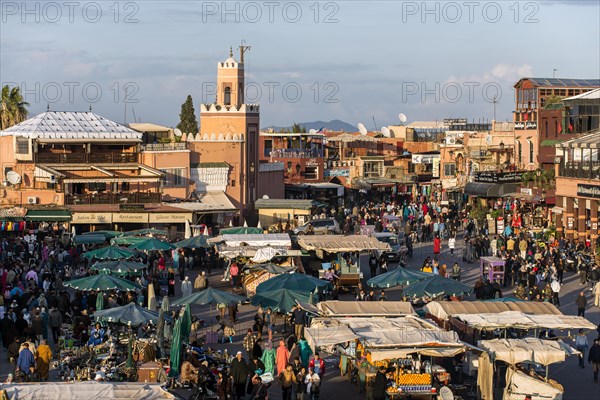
(500, 225)
(527, 191)
(594, 226)
(312, 163)
(584, 190)
(425, 158)
(136, 218)
(176, 218)
(498, 177)
(91, 218)
(526, 125)
(570, 222)
(337, 172)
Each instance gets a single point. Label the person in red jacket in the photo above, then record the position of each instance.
(318, 365)
(437, 245)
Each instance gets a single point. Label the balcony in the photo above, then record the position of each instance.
(85, 158)
(291, 153)
(165, 146)
(113, 198)
(578, 169)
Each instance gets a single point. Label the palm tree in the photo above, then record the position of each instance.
(13, 108)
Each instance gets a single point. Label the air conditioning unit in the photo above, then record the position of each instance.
(450, 140)
(32, 200)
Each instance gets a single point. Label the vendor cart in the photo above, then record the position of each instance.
(492, 268)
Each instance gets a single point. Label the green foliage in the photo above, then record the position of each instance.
(188, 122)
(13, 108)
(478, 212)
(552, 100)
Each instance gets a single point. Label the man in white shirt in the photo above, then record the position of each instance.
(555, 286)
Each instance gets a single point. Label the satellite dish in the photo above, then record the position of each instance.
(385, 131)
(177, 132)
(265, 197)
(13, 177)
(488, 139)
(362, 129)
(312, 131)
(402, 118)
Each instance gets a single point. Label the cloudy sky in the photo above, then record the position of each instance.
(349, 60)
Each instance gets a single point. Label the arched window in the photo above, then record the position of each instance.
(520, 152)
(227, 96)
(530, 151)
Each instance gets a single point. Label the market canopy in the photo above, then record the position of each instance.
(338, 243)
(296, 282)
(195, 242)
(242, 230)
(110, 252)
(388, 338)
(48, 215)
(281, 300)
(519, 320)
(106, 234)
(88, 390)
(119, 267)
(130, 314)
(209, 296)
(252, 251)
(127, 240)
(444, 309)
(147, 231)
(89, 239)
(397, 277)
(539, 351)
(102, 282)
(273, 268)
(435, 286)
(152, 244)
(336, 308)
(266, 239)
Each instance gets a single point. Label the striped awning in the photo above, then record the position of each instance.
(589, 141)
(48, 215)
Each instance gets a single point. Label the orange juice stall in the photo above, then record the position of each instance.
(410, 348)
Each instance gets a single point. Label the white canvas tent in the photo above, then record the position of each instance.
(519, 320)
(335, 308)
(267, 239)
(339, 243)
(520, 384)
(539, 351)
(89, 390)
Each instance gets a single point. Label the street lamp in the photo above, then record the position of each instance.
(298, 166)
(289, 165)
(502, 146)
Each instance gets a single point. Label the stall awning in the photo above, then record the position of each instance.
(444, 309)
(482, 189)
(48, 215)
(210, 202)
(336, 308)
(514, 351)
(519, 320)
(333, 243)
(267, 239)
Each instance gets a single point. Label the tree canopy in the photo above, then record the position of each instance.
(188, 122)
(13, 108)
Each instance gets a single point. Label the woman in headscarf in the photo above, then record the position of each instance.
(268, 359)
(305, 351)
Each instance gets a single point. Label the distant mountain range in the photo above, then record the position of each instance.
(334, 125)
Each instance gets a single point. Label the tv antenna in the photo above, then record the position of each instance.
(374, 123)
(554, 72)
(243, 49)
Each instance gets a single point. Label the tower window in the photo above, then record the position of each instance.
(227, 96)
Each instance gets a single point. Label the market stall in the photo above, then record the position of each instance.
(331, 248)
(412, 347)
(492, 268)
(88, 391)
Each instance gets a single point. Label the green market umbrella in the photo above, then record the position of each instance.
(435, 286)
(127, 240)
(160, 331)
(209, 296)
(186, 323)
(119, 267)
(89, 239)
(102, 282)
(148, 231)
(110, 253)
(175, 352)
(152, 244)
(295, 282)
(106, 234)
(397, 277)
(195, 242)
(99, 301)
(280, 300)
(130, 314)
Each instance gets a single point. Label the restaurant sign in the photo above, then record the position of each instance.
(135, 218)
(91, 218)
(176, 218)
(498, 177)
(584, 190)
